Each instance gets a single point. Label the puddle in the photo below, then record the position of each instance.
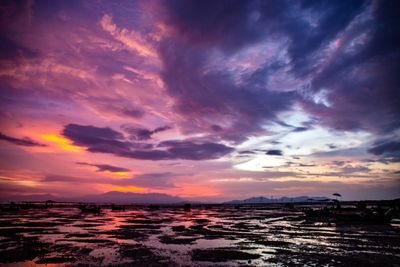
(218, 236)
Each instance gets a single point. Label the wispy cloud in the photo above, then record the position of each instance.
(105, 167)
(19, 141)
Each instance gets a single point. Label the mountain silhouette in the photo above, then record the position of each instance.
(264, 200)
(108, 197)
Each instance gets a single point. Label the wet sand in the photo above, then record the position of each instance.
(220, 236)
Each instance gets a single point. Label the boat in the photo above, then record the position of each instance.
(310, 213)
(117, 208)
(367, 216)
(90, 208)
(187, 207)
(12, 207)
(351, 215)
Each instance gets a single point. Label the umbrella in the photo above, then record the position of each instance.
(337, 195)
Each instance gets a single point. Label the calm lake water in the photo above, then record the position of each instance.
(218, 236)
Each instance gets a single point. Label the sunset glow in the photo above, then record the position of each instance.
(61, 142)
(200, 99)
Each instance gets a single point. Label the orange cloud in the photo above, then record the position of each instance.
(130, 189)
(61, 142)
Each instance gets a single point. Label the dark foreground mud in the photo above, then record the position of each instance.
(221, 236)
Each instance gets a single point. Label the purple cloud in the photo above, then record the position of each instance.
(221, 72)
(105, 167)
(19, 141)
(201, 95)
(140, 133)
(107, 140)
(360, 75)
(195, 150)
(388, 150)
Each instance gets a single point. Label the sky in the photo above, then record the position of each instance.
(207, 100)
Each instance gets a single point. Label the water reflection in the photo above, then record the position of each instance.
(225, 236)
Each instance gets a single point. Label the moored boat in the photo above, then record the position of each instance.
(89, 208)
(367, 216)
(117, 207)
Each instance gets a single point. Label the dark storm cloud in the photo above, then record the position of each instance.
(347, 48)
(105, 167)
(107, 140)
(234, 24)
(385, 147)
(202, 95)
(274, 152)
(211, 23)
(19, 141)
(331, 18)
(230, 26)
(361, 78)
(365, 99)
(388, 150)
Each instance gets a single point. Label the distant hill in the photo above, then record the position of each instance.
(147, 198)
(134, 198)
(264, 200)
(33, 198)
(109, 197)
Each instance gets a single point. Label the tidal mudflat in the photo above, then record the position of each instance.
(204, 236)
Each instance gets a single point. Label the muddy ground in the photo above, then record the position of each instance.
(219, 236)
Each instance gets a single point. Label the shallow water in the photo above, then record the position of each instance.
(220, 236)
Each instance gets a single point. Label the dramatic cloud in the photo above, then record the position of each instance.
(18, 141)
(389, 150)
(107, 140)
(229, 90)
(359, 76)
(205, 97)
